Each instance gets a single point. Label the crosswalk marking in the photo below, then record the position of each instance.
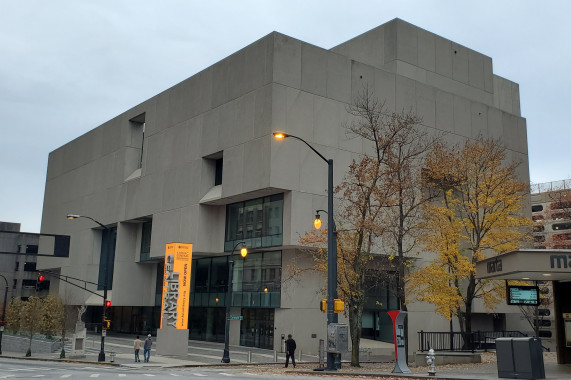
(148, 374)
(226, 374)
(64, 376)
(94, 375)
(122, 375)
(199, 374)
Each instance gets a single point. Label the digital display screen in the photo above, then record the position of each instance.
(523, 295)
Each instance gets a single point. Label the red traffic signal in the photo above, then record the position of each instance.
(41, 278)
(107, 303)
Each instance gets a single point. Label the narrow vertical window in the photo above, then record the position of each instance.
(218, 172)
(138, 137)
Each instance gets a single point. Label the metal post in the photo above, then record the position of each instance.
(101, 357)
(226, 355)
(331, 249)
(3, 312)
(331, 261)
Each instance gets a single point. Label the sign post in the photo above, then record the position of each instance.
(172, 337)
(398, 318)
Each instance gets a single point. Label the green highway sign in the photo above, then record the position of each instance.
(236, 318)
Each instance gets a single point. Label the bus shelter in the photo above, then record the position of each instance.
(539, 265)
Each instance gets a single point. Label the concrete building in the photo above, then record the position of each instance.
(197, 164)
(18, 252)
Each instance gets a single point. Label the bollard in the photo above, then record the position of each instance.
(112, 355)
(299, 360)
(275, 356)
(430, 361)
(249, 356)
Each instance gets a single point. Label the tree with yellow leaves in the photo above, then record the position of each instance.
(479, 213)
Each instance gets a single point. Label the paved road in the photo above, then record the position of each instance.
(32, 369)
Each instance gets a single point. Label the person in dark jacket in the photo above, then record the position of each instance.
(290, 350)
(147, 348)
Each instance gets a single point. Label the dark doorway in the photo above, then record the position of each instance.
(257, 328)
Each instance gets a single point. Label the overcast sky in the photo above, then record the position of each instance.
(68, 66)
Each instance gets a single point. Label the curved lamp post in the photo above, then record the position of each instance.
(101, 356)
(331, 243)
(3, 318)
(243, 253)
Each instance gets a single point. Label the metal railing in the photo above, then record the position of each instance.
(459, 341)
(550, 186)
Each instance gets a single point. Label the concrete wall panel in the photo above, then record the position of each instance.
(313, 69)
(287, 61)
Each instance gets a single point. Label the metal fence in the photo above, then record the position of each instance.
(550, 186)
(459, 341)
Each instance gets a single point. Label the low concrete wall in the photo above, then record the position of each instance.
(447, 357)
(20, 344)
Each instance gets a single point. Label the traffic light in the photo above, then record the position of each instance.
(106, 324)
(40, 282)
(338, 306)
(107, 304)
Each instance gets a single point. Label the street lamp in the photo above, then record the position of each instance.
(3, 321)
(331, 243)
(101, 356)
(243, 253)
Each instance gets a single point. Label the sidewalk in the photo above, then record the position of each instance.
(265, 363)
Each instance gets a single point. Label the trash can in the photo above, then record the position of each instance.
(520, 358)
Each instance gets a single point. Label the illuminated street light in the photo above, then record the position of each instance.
(243, 253)
(331, 243)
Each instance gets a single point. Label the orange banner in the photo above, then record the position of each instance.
(176, 285)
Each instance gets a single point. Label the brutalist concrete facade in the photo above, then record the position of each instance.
(121, 176)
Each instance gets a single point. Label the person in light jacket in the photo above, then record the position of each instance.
(137, 344)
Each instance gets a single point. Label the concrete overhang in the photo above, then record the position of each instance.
(527, 264)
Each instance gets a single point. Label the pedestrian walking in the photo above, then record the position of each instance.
(138, 344)
(290, 350)
(147, 348)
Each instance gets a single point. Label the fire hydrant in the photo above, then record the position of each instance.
(112, 356)
(430, 362)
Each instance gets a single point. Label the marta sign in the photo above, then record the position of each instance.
(176, 286)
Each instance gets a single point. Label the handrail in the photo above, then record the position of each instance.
(462, 341)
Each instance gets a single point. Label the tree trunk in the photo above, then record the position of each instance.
(355, 324)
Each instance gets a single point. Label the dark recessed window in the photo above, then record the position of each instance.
(17, 267)
(545, 334)
(30, 248)
(544, 312)
(537, 217)
(29, 267)
(218, 172)
(536, 208)
(539, 239)
(146, 231)
(538, 228)
(561, 226)
(29, 284)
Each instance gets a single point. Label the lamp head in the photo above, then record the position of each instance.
(244, 251)
(72, 216)
(317, 221)
(280, 135)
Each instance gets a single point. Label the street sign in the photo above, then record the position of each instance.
(236, 318)
(103, 332)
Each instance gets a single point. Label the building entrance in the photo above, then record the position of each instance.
(257, 328)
